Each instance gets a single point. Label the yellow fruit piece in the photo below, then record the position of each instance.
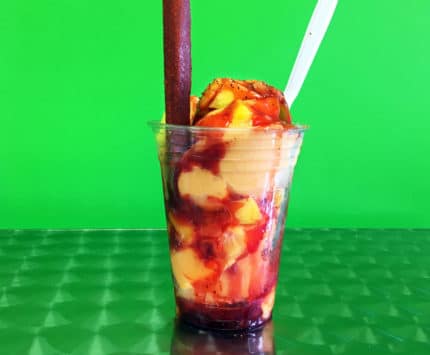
(234, 243)
(245, 268)
(187, 268)
(199, 184)
(194, 101)
(161, 140)
(187, 293)
(267, 304)
(222, 99)
(185, 230)
(210, 92)
(241, 116)
(215, 112)
(249, 213)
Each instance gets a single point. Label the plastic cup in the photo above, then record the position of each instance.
(226, 197)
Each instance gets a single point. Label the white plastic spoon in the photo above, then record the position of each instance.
(315, 32)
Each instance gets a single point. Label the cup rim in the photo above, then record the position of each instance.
(296, 128)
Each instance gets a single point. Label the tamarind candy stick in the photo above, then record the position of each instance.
(177, 61)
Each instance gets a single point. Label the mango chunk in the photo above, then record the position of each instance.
(267, 304)
(222, 99)
(194, 101)
(210, 92)
(188, 268)
(187, 293)
(237, 114)
(234, 243)
(249, 213)
(185, 230)
(245, 267)
(200, 185)
(241, 115)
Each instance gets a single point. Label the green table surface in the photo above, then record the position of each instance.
(110, 292)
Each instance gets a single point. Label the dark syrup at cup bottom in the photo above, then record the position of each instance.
(242, 317)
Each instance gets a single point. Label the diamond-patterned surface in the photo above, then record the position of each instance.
(110, 292)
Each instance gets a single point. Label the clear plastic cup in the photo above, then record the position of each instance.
(226, 196)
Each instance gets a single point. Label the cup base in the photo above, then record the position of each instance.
(239, 317)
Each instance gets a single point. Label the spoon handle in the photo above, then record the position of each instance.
(314, 34)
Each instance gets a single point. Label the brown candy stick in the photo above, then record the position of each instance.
(177, 60)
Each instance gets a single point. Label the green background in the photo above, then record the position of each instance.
(79, 80)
